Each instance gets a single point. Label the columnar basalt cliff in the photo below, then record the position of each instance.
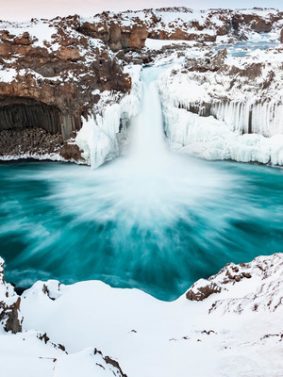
(48, 83)
(56, 73)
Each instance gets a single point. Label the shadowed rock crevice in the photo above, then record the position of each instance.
(22, 113)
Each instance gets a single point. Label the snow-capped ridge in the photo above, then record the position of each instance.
(255, 286)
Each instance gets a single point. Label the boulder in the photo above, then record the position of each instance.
(23, 39)
(200, 291)
(116, 35)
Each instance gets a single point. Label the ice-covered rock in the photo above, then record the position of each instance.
(101, 136)
(256, 286)
(222, 107)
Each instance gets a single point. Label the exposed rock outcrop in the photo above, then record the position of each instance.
(10, 316)
(47, 82)
(181, 23)
(28, 142)
(53, 72)
(201, 292)
(116, 35)
(258, 285)
(253, 21)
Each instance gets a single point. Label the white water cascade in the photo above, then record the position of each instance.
(149, 183)
(134, 209)
(148, 144)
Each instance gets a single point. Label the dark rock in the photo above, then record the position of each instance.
(112, 362)
(71, 152)
(24, 39)
(13, 323)
(202, 292)
(115, 34)
(28, 142)
(9, 316)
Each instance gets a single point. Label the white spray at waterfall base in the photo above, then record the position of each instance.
(135, 209)
(149, 182)
(152, 219)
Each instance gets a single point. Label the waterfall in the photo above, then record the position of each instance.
(132, 211)
(148, 144)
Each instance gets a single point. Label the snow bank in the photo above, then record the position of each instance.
(40, 30)
(236, 331)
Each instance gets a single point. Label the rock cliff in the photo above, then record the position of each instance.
(49, 72)
(57, 73)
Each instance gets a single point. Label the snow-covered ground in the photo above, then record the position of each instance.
(235, 332)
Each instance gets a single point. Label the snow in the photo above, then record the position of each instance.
(157, 44)
(84, 364)
(7, 75)
(154, 338)
(39, 30)
(246, 118)
(24, 354)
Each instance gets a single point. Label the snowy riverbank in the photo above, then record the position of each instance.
(237, 331)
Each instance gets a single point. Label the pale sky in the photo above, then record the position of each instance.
(26, 9)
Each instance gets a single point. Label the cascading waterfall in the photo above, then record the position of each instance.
(147, 127)
(151, 219)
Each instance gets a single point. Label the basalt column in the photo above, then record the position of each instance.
(23, 113)
(28, 126)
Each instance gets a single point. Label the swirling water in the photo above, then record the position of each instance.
(153, 220)
(70, 223)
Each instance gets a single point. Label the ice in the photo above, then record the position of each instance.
(98, 137)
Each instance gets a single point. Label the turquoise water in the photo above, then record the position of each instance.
(264, 41)
(158, 234)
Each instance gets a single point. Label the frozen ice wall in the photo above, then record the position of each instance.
(263, 118)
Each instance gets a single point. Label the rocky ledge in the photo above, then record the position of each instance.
(181, 23)
(262, 280)
(49, 72)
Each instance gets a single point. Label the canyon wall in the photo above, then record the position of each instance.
(58, 74)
